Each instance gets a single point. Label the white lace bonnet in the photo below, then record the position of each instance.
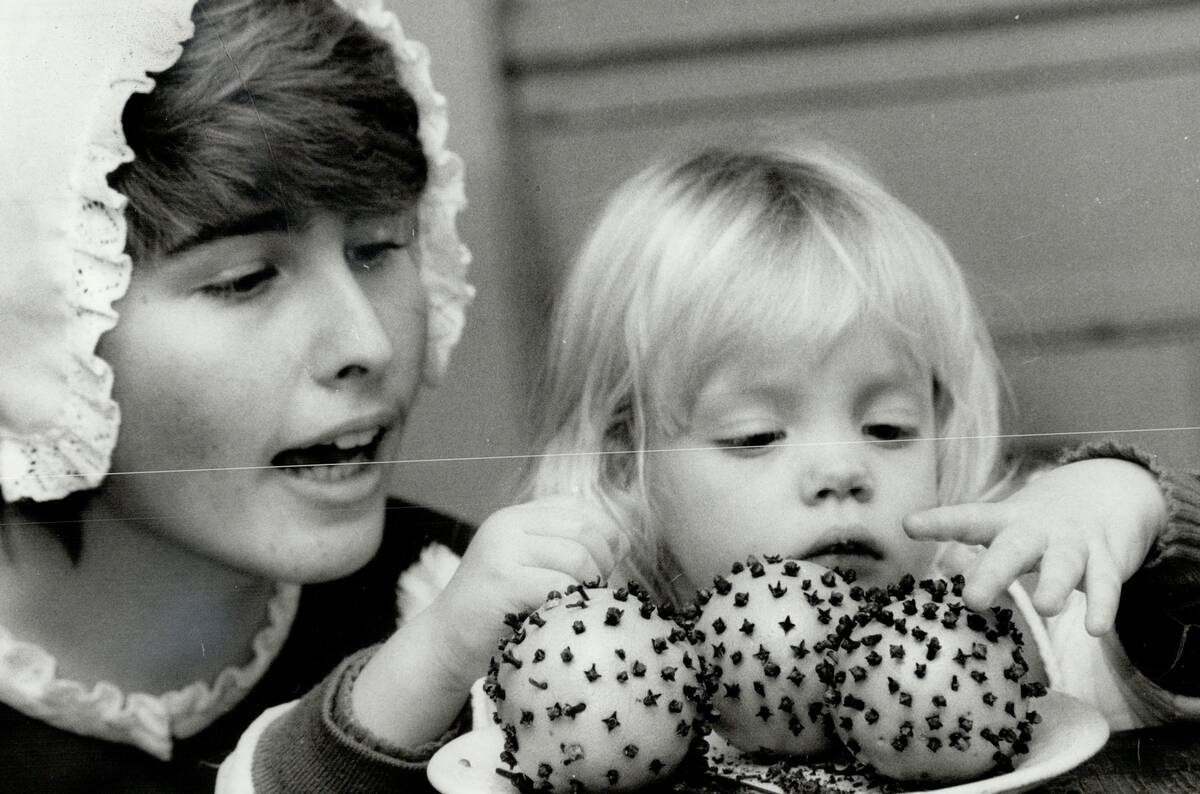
(67, 68)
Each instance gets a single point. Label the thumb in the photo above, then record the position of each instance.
(974, 523)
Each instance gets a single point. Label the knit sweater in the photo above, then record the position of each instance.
(1147, 671)
(1160, 603)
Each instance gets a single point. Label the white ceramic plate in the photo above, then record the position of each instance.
(1071, 732)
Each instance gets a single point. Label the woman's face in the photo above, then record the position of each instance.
(264, 374)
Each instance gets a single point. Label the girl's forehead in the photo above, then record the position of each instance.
(866, 357)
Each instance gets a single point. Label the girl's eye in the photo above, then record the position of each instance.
(369, 256)
(887, 432)
(241, 286)
(751, 443)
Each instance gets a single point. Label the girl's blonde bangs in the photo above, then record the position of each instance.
(755, 287)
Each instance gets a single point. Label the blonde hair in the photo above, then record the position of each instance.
(697, 259)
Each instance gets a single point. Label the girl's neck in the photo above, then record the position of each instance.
(136, 610)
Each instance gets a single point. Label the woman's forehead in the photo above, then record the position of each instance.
(264, 218)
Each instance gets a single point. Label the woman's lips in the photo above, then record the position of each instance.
(342, 473)
(346, 456)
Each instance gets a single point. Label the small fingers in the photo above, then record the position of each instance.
(1102, 583)
(566, 556)
(1059, 573)
(976, 523)
(583, 537)
(542, 582)
(578, 520)
(1010, 555)
(586, 523)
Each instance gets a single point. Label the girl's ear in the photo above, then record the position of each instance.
(619, 444)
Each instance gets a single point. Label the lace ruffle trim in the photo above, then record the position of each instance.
(29, 684)
(75, 453)
(444, 258)
(421, 584)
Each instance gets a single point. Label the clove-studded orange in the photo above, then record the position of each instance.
(763, 630)
(598, 690)
(924, 689)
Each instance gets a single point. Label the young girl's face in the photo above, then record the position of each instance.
(260, 371)
(812, 457)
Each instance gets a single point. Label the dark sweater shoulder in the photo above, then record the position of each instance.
(339, 617)
(334, 619)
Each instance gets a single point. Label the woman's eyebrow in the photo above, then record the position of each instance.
(272, 220)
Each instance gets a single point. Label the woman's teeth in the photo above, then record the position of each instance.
(352, 440)
(329, 473)
(342, 458)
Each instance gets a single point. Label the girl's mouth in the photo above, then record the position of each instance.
(347, 456)
(847, 548)
(843, 554)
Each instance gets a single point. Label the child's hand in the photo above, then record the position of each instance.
(1086, 525)
(413, 686)
(517, 556)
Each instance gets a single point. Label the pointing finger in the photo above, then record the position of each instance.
(976, 523)
(1009, 556)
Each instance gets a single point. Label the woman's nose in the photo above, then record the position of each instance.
(835, 473)
(352, 341)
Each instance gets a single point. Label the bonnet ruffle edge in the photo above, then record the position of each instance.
(59, 435)
(77, 65)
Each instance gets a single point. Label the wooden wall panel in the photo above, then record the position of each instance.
(1055, 144)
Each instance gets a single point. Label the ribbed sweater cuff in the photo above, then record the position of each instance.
(318, 747)
(1158, 620)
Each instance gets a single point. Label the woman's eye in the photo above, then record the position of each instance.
(888, 432)
(241, 286)
(752, 442)
(369, 256)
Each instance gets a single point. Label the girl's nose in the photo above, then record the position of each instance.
(352, 341)
(835, 473)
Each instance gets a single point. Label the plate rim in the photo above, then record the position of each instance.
(1091, 729)
(1019, 779)
(441, 757)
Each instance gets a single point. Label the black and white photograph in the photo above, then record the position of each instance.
(582, 396)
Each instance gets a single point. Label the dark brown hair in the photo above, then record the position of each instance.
(288, 105)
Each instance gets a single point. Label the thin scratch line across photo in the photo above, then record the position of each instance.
(531, 455)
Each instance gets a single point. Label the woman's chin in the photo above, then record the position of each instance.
(307, 549)
(300, 570)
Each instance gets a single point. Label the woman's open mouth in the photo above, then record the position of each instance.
(345, 457)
